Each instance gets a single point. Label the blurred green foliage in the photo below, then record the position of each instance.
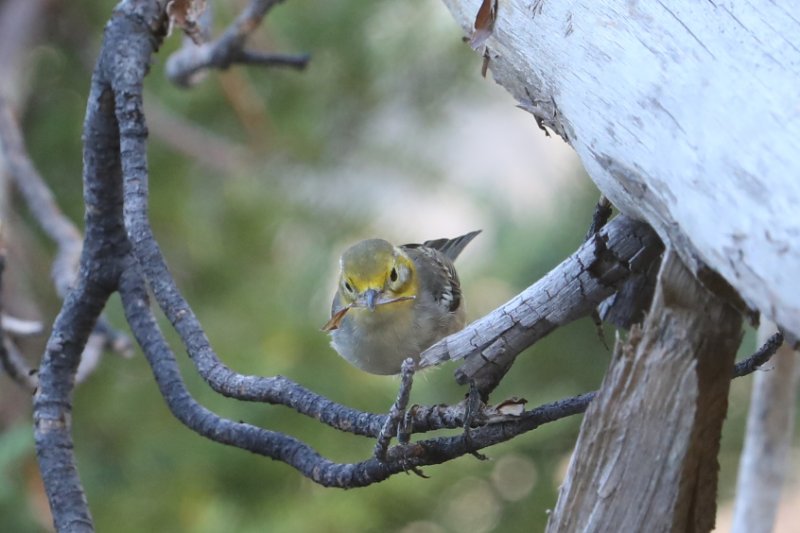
(254, 247)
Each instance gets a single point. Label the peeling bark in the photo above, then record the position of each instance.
(646, 458)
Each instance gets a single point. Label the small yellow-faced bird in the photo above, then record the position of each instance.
(393, 302)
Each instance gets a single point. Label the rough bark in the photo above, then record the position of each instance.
(570, 291)
(646, 458)
(684, 115)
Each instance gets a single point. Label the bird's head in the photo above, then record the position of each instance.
(374, 272)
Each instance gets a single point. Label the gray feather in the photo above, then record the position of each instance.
(451, 248)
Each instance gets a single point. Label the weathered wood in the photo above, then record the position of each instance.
(770, 426)
(596, 270)
(684, 114)
(646, 458)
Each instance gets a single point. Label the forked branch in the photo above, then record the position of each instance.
(184, 66)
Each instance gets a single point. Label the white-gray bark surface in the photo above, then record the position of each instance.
(768, 440)
(685, 114)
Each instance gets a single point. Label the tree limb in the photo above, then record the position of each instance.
(572, 290)
(184, 65)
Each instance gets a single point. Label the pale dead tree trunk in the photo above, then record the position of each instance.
(685, 114)
(770, 425)
(646, 459)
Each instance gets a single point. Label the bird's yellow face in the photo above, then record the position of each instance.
(374, 273)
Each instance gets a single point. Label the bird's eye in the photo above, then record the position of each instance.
(393, 275)
(348, 286)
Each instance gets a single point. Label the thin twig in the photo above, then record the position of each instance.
(263, 59)
(184, 65)
(19, 327)
(16, 367)
(397, 411)
(40, 201)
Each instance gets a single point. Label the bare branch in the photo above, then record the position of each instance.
(184, 65)
(571, 290)
(19, 327)
(41, 202)
(263, 59)
(52, 404)
(752, 363)
(101, 262)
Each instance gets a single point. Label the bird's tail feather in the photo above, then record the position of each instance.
(452, 247)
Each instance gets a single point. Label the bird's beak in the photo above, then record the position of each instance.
(370, 297)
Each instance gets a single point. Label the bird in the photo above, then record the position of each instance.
(393, 302)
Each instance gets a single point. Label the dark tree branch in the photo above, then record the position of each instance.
(630, 303)
(100, 267)
(263, 59)
(184, 65)
(762, 355)
(126, 63)
(52, 406)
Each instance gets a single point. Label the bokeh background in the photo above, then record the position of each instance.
(259, 179)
